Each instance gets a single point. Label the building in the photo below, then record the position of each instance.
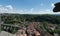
(20, 32)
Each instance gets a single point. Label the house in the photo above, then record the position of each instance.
(52, 26)
(20, 32)
(29, 31)
(55, 34)
(37, 33)
(45, 33)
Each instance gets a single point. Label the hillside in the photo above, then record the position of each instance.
(41, 23)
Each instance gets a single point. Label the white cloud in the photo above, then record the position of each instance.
(31, 10)
(2, 9)
(52, 5)
(19, 11)
(10, 9)
(6, 9)
(47, 10)
(0, 5)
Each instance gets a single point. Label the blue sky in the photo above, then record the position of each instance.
(28, 6)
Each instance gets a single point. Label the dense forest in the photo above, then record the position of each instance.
(11, 18)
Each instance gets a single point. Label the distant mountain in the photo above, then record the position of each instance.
(26, 14)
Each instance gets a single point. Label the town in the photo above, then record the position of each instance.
(30, 25)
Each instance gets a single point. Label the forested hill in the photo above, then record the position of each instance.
(11, 18)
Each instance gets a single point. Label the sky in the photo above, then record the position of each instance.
(28, 6)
